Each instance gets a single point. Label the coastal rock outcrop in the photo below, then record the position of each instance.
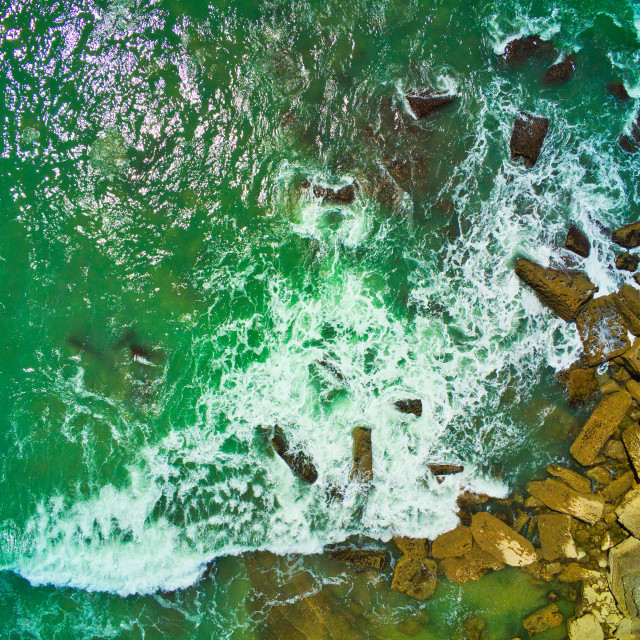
(600, 427)
(527, 138)
(585, 627)
(627, 236)
(577, 242)
(564, 292)
(630, 359)
(415, 577)
(582, 385)
(631, 440)
(363, 558)
(298, 461)
(471, 566)
(546, 618)
(628, 512)
(558, 496)
(426, 102)
(413, 406)
(501, 541)
(627, 262)
(560, 72)
(556, 536)
(624, 575)
(603, 329)
(452, 544)
(362, 468)
(531, 46)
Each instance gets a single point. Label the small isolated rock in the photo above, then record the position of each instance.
(362, 469)
(409, 406)
(560, 72)
(501, 541)
(426, 102)
(603, 329)
(543, 619)
(556, 537)
(582, 385)
(416, 577)
(631, 440)
(572, 478)
(600, 427)
(413, 547)
(345, 195)
(445, 469)
(577, 242)
(560, 497)
(564, 292)
(452, 544)
(528, 135)
(585, 628)
(299, 462)
(627, 236)
(471, 566)
(618, 91)
(627, 262)
(532, 46)
(628, 512)
(363, 558)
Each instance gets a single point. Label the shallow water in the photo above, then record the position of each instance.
(170, 290)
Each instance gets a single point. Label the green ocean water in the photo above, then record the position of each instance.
(169, 292)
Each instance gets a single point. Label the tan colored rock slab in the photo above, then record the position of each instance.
(628, 512)
(630, 359)
(618, 487)
(556, 536)
(582, 385)
(501, 541)
(600, 427)
(585, 627)
(413, 547)
(575, 572)
(362, 469)
(633, 387)
(560, 497)
(631, 440)
(572, 478)
(546, 618)
(452, 544)
(624, 574)
(415, 577)
(471, 566)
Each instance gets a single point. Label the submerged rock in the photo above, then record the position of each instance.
(452, 544)
(627, 236)
(582, 385)
(556, 537)
(528, 135)
(603, 329)
(501, 541)
(362, 468)
(627, 262)
(600, 427)
(577, 242)
(471, 566)
(532, 46)
(618, 91)
(427, 101)
(300, 463)
(560, 497)
(416, 577)
(564, 292)
(344, 195)
(409, 406)
(363, 558)
(546, 618)
(560, 72)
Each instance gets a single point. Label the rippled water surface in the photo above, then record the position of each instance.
(170, 291)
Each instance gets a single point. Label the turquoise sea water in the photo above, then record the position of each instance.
(169, 290)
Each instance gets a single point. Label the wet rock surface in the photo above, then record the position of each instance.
(618, 91)
(577, 242)
(546, 618)
(519, 50)
(413, 406)
(627, 262)
(560, 73)
(582, 385)
(452, 544)
(362, 469)
(426, 102)
(416, 577)
(527, 138)
(627, 236)
(501, 541)
(363, 558)
(299, 462)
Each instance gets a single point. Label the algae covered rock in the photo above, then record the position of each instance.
(574, 479)
(527, 138)
(560, 72)
(560, 497)
(600, 427)
(416, 577)
(299, 462)
(582, 385)
(452, 544)
(624, 575)
(628, 512)
(564, 292)
(543, 619)
(627, 236)
(414, 547)
(630, 359)
(413, 406)
(501, 541)
(627, 262)
(631, 441)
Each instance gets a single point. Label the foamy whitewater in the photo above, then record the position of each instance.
(201, 480)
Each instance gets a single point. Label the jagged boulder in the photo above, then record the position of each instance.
(577, 242)
(631, 440)
(630, 359)
(546, 618)
(582, 385)
(298, 461)
(501, 541)
(413, 406)
(413, 547)
(628, 302)
(628, 512)
(618, 91)
(556, 536)
(471, 566)
(426, 102)
(600, 427)
(531, 46)
(445, 469)
(564, 292)
(416, 577)
(560, 497)
(627, 236)
(585, 627)
(560, 73)
(362, 468)
(452, 544)
(343, 195)
(627, 262)
(527, 138)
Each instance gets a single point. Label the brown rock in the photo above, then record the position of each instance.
(452, 544)
(630, 359)
(618, 91)
(572, 478)
(624, 575)
(627, 236)
(364, 558)
(633, 387)
(575, 572)
(501, 541)
(543, 619)
(556, 537)
(600, 475)
(600, 427)
(615, 450)
(582, 385)
(412, 547)
(608, 387)
(564, 292)
(528, 135)
(603, 329)
(471, 566)
(577, 242)
(298, 461)
(445, 469)
(585, 627)
(560, 497)
(426, 102)
(560, 72)
(618, 487)
(345, 195)
(362, 469)
(532, 46)
(467, 499)
(628, 512)
(629, 302)
(409, 406)
(631, 440)
(627, 262)
(416, 577)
